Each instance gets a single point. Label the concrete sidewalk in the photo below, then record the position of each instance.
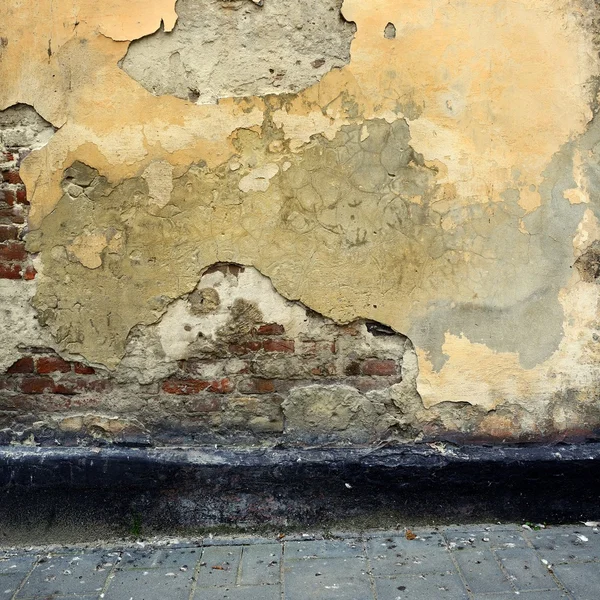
(482, 562)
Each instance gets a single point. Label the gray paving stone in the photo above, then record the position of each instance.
(481, 540)
(324, 549)
(153, 584)
(525, 569)
(481, 571)
(80, 573)
(428, 587)
(219, 566)
(164, 558)
(582, 580)
(501, 568)
(556, 595)
(477, 527)
(327, 579)
(242, 540)
(255, 592)
(260, 564)
(10, 563)
(397, 555)
(562, 545)
(10, 583)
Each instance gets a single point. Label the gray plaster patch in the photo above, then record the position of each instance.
(233, 48)
(22, 127)
(18, 321)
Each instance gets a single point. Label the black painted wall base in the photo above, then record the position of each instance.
(173, 490)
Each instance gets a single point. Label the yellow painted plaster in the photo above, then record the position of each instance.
(491, 91)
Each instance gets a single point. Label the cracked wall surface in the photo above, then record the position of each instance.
(439, 177)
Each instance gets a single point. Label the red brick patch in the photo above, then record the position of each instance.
(278, 345)
(12, 251)
(257, 386)
(8, 232)
(10, 271)
(52, 364)
(11, 176)
(379, 367)
(271, 329)
(29, 273)
(82, 369)
(195, 386)
(23, 365)
(37, 385)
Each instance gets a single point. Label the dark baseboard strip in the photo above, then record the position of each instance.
(187, 488)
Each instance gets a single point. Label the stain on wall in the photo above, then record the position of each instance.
(438, 176)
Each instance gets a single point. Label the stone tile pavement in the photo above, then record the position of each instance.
(483, 562)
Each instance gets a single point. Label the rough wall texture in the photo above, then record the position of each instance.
(222, 48)
(436, 180)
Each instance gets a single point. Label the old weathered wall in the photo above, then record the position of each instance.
(299, 221)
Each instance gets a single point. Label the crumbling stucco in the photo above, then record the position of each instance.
(22, 130)
(223, 48)
(21, 127)
(18, 322)
(443, 182)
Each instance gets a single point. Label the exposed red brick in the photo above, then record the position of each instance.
(12, 214)
(11, 176)
(12, 251)
(23, 365)
(97, 385)
(245, 347)
(9, 197)
(82, 369)
(271, 329)
(278, 345)
(29, 273)
(68, 388)
(184, 386)
(37, 385)
(379, 367)
(223, 386)
(10, 271)
(8, 232)
(257, 386)
(195, 386)
(22, 196)
(323, 370)
(316, 347)
(52, 364)
(7, 156)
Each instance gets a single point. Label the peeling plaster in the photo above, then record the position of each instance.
(225, 48)
(463, 236)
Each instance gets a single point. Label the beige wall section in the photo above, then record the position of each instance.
(443, 182)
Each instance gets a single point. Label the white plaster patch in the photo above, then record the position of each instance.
(258, 179)
(180, 327)
(588, 231)
(579, 194)
(18, 321)
(159, 177)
